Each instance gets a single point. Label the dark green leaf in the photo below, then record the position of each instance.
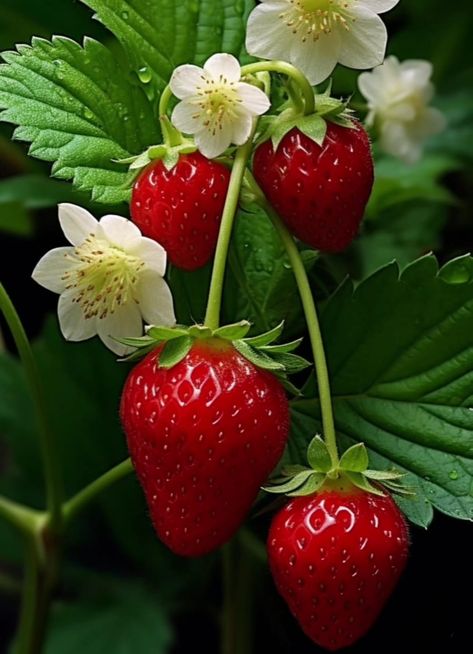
(174, 351)
(402, 381)
(76, 107)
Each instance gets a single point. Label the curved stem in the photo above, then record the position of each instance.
(212, 316)
(52, 474)
(22, 517)
(89, 493)
(166, 96)
(290, 71)
(310, 311)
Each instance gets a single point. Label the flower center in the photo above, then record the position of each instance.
(218, 102)
(313, 18)
(104, 277)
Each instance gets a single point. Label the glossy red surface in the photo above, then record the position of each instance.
(182, 208)
(320, 192)
(335, 558)
(203, 437)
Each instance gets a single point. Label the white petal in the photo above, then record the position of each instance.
(187, 117)
(417, 71)
(316, 59)
(50, 269)
(395, 140)
(155, 300)
(267, 35)
(120, 232)
(185, 80)
(77, 223)
(379, 6)
(211, 145)
(254, 100)
(241, 128)
(364, 45)
(125, 321)
(152, 253)
(74, 326)
(370, 87)
(223, 65)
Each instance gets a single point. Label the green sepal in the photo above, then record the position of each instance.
(291, 363)
(289, 386)
(175, 351)
(311, 485)
(200, 332)
(291, 484)
(267, 338)
(234, 332)
(318, 455)
(138, 342)
(355, 459)
(383, 475)
(314, 126)
(257, 357)
(166, 333)
(360, 481)
(137, 355)
(169, 155)
(284, 348)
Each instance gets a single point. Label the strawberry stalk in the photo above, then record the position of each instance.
(290, 71)
(212, 316)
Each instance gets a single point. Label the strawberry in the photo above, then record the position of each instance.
(336, 556)
(203, 436)
(320, 192)
(181, 208)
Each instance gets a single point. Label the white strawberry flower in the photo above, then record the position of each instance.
(217, 107)
(398, 96)
(315, 35)
(109, 281)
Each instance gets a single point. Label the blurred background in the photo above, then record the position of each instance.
(121, 591)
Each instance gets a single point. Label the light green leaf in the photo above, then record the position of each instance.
(174, 351)
(257, 357)
(291, 484)
(402, 381)
(77, 108)
(355, 459)
(233, 332)
(270, 336)
(166, 333)
(159, 35)
(283, 348)
(314, 126)
(312, 484)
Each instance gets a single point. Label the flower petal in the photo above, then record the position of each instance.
(77, 223)
(241, 128)
(267, 34)
(416, 72)
(74, 326)
(253, 100)
(316, 59)
(155, 300)
(153, 254)
(223, 65)
(213, 145)
(120, 232)
(364, 44)
(125, 321)
(379, 6)
(187, 117)
(185, 80)
(50, 269)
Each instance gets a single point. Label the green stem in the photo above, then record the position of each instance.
(310, 311)
(48, 449)
(290, 71)
(22, 517)
(89, 493)
(164, 100)
(212, 316)
(237, 614)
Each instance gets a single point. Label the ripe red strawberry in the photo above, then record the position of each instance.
(320, 192)
(182, 208)
(336, 557)
(203, 436)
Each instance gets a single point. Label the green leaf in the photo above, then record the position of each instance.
(291, 484)
(283, 348)
(311, 485)
(37, 192)
(263, 340)
(314, 126)
(458, 271)
(174, 351)
(257, 357)
(166, 333)
(360, 481)
(318, 455)
(292, 363)
(78, 110)
(402, 381)
(159, 35)
(129, 619)
(355, 459)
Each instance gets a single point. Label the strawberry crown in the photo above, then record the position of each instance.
(298, 480)
(260, 350)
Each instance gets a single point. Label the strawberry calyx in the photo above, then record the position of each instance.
(261, 350)
(168, 152)
(352, 471)
(313, 125)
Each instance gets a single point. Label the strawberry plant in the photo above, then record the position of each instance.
(292, 394)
